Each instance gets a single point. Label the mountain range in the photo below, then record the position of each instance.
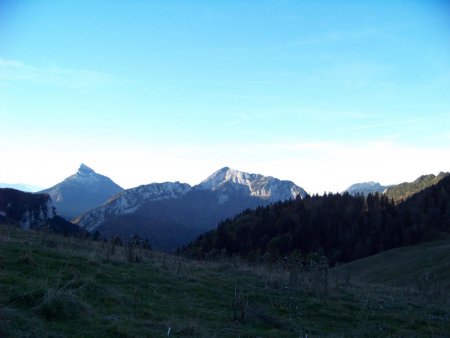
(171, 214)
(21, 186)
(81, 192)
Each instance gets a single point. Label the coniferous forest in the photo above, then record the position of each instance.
(340, 226)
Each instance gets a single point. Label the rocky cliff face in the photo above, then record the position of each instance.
(25, 209)
(129, 201)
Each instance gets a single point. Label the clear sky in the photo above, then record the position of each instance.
(323, 93)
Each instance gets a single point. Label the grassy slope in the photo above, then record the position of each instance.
(62, 287)
(405, 266)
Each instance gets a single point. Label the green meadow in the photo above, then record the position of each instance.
(54, 286)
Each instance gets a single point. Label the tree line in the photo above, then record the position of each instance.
(339, 226)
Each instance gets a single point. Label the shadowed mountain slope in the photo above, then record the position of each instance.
(81, 192)
(172, 214)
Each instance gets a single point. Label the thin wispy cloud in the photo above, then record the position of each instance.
(12, 71)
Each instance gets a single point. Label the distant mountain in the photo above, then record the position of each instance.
(405, 190)
(255, 185)
(32, 211)
(129, 201)
(172, 214)
(398, 192)
(21, 187)
(81, 192)
(366, 188)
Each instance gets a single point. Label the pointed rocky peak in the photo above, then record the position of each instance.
(85, 176)
(81, 192)
(84, 169)
(223, 170)
(221, 173)
(265, 187)
(224, 175)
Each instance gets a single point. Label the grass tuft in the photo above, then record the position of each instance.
(61, 305)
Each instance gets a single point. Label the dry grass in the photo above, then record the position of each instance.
(80, 288)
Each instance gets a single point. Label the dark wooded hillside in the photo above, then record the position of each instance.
(341, 227)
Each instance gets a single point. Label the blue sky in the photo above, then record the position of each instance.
(324, 93)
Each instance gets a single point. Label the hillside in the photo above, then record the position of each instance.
(54, 286)
(428, 262)
(431, 206)
(33, 211)
(341, 227)
(403, 191)
(25, 209)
